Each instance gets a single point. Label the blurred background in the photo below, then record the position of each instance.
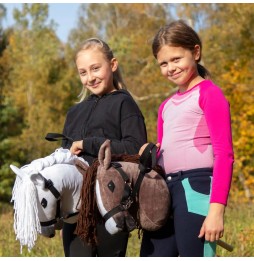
(39, 82)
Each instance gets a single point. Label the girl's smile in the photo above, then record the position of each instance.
(175, 75)
(95, 71)
(179, 66)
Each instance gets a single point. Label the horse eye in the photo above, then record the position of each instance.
(111, 186)
(44, 202)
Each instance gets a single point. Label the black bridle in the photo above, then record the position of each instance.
(50, 186)
(146, 163)
(127, 199)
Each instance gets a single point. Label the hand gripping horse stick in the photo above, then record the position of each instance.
(225, 245)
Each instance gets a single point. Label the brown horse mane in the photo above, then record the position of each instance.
(89, 214)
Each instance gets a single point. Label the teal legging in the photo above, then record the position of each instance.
(190, 194)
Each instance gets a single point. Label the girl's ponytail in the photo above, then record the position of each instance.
(118, 80)
(203, 72)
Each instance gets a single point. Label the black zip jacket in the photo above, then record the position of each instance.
(114, 116)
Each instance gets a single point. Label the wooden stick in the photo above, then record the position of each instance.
(225, 245)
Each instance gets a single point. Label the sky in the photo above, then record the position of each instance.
(64, 14)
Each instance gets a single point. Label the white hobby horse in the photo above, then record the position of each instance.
(45, 192)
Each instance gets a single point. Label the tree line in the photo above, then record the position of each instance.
(39, 81)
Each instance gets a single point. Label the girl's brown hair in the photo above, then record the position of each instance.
(179, 34)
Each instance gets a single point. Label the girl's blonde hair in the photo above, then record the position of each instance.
(104, 48)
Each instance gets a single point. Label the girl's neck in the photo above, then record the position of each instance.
(196, 80)
(106, 93)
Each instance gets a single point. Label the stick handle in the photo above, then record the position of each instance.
(225, 245)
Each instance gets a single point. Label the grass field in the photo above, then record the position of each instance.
(239, 232)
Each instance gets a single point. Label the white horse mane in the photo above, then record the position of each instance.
(25, 194)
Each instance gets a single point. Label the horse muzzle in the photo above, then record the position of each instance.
(121, 221)
(48, 231)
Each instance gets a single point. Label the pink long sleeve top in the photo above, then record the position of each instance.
(194, 131)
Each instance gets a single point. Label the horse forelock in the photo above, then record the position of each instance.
(125, 158)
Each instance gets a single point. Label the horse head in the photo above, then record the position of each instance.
(45, 193)
(128, 191)
(113, 185)
(126, 194)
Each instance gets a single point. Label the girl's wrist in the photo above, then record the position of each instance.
(217, 208)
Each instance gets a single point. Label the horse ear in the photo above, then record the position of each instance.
(17, 171)
(104, 155)
(38, 179)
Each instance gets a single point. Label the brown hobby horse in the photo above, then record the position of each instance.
(128, 190)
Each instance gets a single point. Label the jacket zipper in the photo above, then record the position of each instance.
(85, 127)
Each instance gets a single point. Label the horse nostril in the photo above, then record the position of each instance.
(52, 235)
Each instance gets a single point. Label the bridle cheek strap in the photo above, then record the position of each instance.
(126, 198)
(50, 186)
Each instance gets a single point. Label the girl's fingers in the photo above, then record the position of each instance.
(202, 232)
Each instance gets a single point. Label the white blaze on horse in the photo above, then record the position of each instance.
(45, 192)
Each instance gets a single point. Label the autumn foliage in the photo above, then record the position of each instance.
(39, 82)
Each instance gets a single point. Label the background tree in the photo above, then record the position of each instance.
(8, 115)
(33, 92)
(39, 81)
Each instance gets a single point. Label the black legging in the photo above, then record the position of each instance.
(190, 195)
(108, 246)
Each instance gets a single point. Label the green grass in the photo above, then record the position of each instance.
(239, 232)
(10, 247)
